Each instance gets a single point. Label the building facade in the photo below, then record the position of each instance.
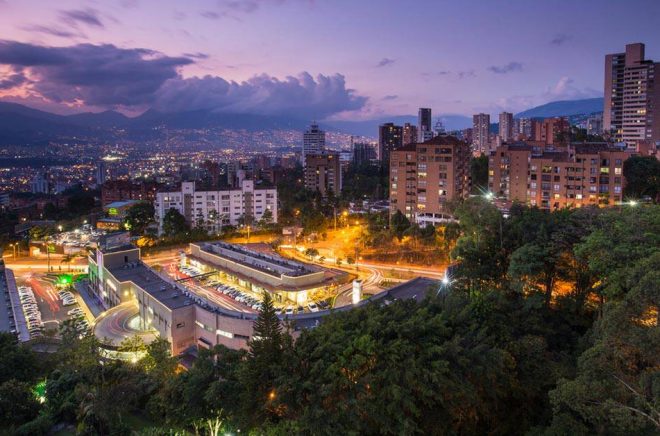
(574, 176)
(390, 137)
(480, 133)
(323, 173)
(363, 153)
(632, 96)
(425, 176)
(313, 141)
(409, 134)
(214, 209)
(123, 190)
(424, 124)
(506, 126)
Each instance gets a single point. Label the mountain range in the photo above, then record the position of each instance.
(24, 125)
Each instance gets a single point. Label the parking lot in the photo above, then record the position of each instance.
(54, 306)
(248, 300)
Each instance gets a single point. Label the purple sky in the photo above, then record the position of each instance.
(346, 59)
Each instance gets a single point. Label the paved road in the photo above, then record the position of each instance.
(119, 323)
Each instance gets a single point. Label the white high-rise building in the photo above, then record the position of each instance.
(313, 141)
(214, 209)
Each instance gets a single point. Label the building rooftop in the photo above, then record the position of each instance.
(272, 264)
(156, 286)
(444, 140)
(120, 204)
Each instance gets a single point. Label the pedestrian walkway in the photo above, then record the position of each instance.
(92, 303)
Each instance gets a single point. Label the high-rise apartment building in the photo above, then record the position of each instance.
(506, 126)
(363, 153)
(424, 124)
(632, 96)
(323, 172)
(214, 209)
(409, 133)
(577, 175)
(480, 132)
(524, 130)
(425, 176)
(390, 137)
(313, 141)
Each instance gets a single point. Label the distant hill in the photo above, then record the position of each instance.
(23, 125)
(564, 108)
(370, 127)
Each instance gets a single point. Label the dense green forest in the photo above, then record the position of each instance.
(549, 326)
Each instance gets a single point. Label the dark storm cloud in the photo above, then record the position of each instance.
(385, 62)
(508, 68)
(90, 17)
(109, 76)
(99, 75)
(12, 80)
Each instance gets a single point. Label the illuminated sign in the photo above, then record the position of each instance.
(113, 211)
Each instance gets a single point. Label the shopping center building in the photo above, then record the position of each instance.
(190, 321)
(289, 281)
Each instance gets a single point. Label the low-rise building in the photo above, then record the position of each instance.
(214, 209)
(573, 176)
(189, 320)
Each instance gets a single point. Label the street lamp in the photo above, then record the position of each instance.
(59, 228)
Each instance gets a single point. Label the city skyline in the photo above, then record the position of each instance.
(291, 56)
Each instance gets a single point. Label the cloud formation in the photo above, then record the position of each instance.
(301, 96)
(107, 76)
(560, 39)
(90, 17)
(508, 68)
(385, 62)
(390, 97)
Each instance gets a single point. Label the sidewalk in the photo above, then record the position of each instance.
(92, 307)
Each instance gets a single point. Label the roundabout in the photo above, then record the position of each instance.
(119, 323)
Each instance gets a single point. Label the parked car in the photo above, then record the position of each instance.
(313, 307)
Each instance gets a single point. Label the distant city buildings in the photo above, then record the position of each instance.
(122, 190)
(632, 96)
(554, 178)
(425, 176)
(323, 173)
(424, 124)
(480, 133)
(313, 141)
(506, 126)
(390, 137)
(594, 125)
(214, 209)
(40, 184)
